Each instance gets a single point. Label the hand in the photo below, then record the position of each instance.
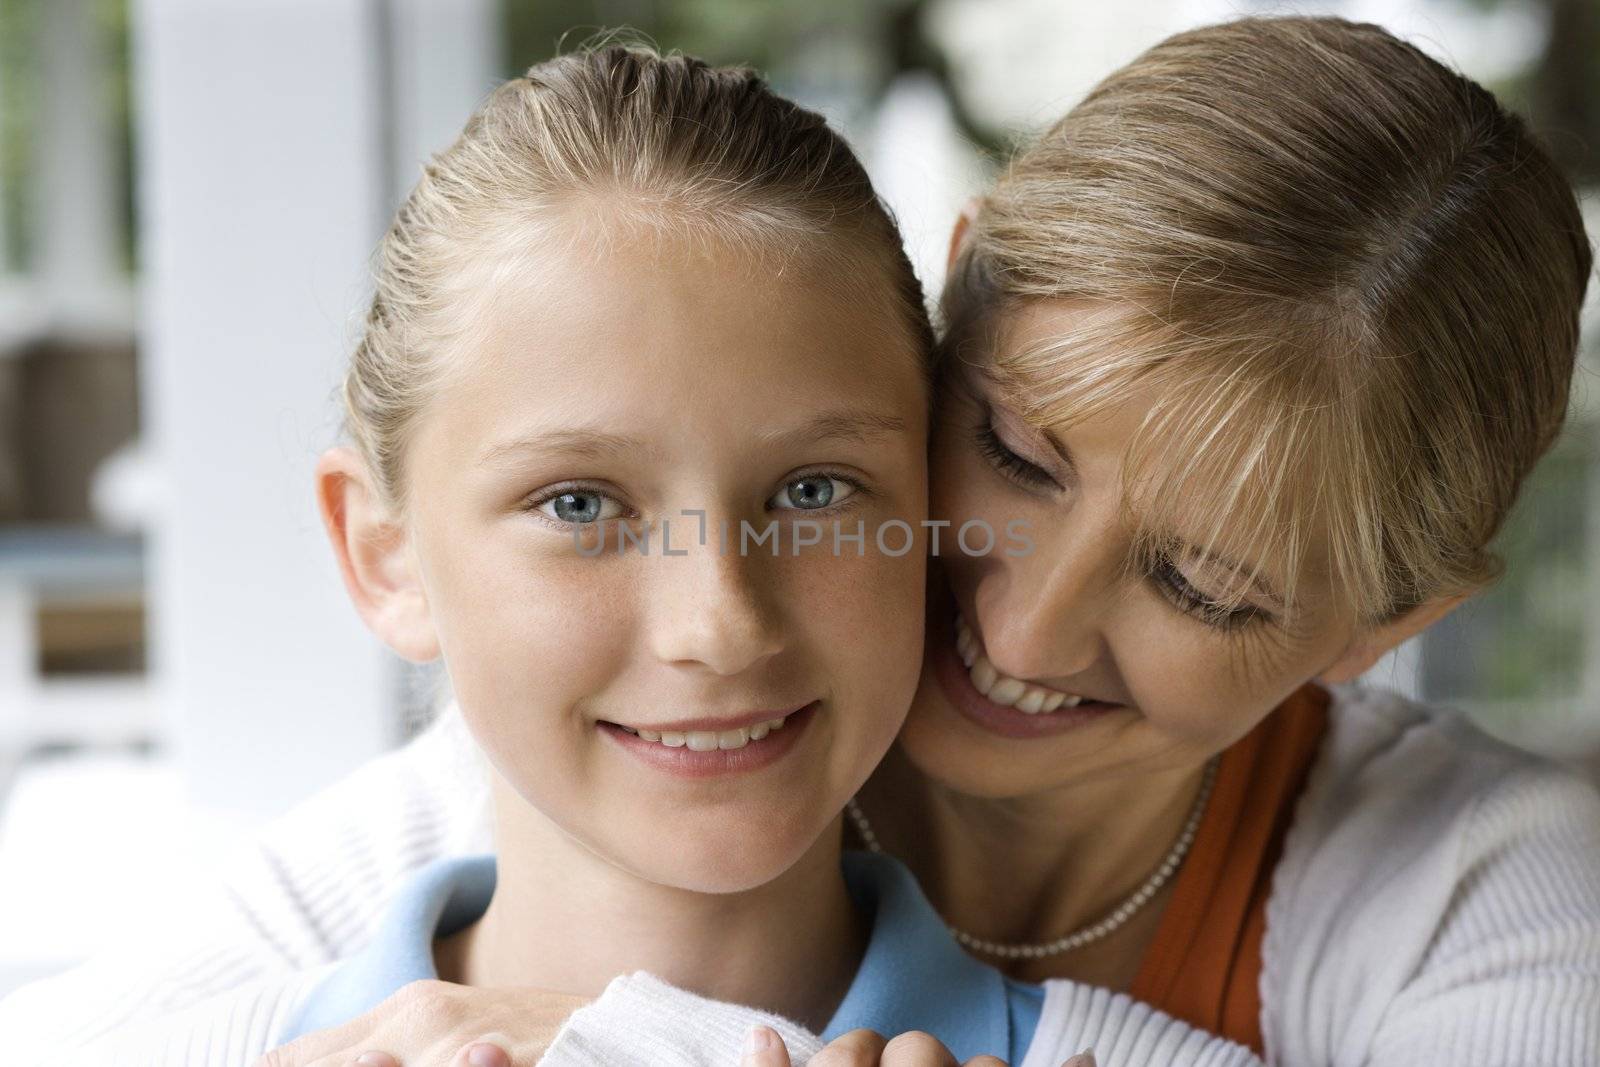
(864, 1048)
(438, 1024)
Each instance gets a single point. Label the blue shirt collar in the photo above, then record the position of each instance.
(913, 975)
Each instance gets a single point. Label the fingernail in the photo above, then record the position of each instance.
(1082, 1059)
(759, 1040)
(483, 1055)
(374, 1059)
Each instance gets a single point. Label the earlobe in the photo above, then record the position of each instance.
(1367, 649)
(375, 557)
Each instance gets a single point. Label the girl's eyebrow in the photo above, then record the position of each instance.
(579, 444)
(845, 424)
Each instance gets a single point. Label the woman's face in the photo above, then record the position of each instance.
(696, 711)
(1071, 663)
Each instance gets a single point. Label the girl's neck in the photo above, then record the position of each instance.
(564, 919)
(1031, 869)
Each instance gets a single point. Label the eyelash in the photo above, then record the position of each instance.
(1007, 462)
(1189, 600)
(534, 503)
(1162, 571)
(859, 489)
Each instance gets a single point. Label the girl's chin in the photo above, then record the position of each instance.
(719, 861)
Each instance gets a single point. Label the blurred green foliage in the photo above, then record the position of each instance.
(22, 108)
(19, 108)
(1525, 639)
(846, 52)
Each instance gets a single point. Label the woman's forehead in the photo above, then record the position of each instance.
(1204, 459)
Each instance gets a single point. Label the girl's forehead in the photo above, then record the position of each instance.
(638, 338)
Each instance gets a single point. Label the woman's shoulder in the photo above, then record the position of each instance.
(1384, 754)
(1427, 864)
(1408, 786)
(235, 1026)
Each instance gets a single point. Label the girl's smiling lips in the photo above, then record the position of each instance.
(709, 748)
(713, 723)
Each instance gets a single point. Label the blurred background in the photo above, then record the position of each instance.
(189, 192)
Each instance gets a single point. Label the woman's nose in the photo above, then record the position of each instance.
(1041, 616)
(708, 611)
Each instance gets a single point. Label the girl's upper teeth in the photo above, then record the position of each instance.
(709, 740)
(1002, 688)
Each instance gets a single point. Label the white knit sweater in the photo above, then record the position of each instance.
(1438, 903)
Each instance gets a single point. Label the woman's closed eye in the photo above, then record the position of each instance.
(1019, 469)
(1212, 611)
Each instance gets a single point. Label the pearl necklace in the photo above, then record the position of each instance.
(1114, 921)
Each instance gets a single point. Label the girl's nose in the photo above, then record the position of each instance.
(708, 611)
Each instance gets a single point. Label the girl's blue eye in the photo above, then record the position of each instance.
(810, 493)
(580, 506)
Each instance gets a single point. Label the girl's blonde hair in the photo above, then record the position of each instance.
(1351, 276)
(616, 136)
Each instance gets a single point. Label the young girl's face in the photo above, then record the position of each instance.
(694, 713)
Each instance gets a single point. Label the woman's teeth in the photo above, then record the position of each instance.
(1002, 688)
(709, 740)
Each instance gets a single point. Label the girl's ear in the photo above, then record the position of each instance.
(375, 558)
(1370, 647)
(958, 237)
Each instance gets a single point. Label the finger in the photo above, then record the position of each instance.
(917, 1049)
(1082, 1059)
(481, 1054)
(375, 1059)
(764, 1048)
(858, 1048)
(988, 1061)
(312, 1047)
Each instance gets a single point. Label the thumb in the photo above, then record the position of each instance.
(481, 1054)
(764, 1048)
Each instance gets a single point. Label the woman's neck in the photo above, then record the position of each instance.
(566, 920)
(1031, 869)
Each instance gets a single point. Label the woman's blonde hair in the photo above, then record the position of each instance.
(608, 137)
(1353, 278)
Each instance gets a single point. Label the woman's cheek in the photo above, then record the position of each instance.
(1174, 673)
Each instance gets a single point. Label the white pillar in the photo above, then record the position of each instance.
(77, 227)
(444, 60)
(264, 183)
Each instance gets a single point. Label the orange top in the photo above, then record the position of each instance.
(1204, 965)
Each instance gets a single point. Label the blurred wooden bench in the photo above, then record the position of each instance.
(69, 596)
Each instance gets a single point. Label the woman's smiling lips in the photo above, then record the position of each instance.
(1013, 708)
(707, 748)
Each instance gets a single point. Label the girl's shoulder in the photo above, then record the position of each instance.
(1428, 864)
